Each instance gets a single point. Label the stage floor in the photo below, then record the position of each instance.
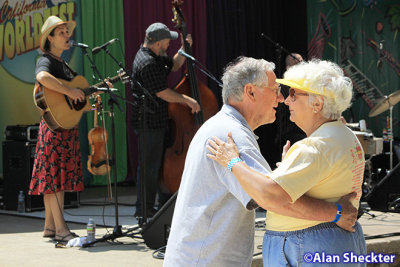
(23, 245)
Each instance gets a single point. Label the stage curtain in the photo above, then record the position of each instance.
(103, 20)
(234, 29)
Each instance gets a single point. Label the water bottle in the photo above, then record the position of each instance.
(21, 202)
(91, 230)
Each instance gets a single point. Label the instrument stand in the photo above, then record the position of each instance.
(391, 136)
(145, 95)
(117, 232)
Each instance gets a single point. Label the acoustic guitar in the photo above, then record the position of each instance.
(58, 110)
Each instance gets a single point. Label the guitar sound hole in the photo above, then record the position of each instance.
(79, 105)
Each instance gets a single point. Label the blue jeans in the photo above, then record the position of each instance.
(321, 245)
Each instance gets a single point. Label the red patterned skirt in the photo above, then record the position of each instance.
(57, 165)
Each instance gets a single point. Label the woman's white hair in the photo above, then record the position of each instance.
(319, 75)
(242, 71)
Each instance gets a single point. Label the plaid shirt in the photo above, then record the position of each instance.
(151, 72)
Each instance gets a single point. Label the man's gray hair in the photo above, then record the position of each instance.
(242, 71)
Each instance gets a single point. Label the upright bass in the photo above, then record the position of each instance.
(184, 124)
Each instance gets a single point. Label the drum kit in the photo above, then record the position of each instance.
(374, 146)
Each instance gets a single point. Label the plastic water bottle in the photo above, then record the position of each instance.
(21, 202)
(91, 230)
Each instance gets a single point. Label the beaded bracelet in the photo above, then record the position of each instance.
(233, 162)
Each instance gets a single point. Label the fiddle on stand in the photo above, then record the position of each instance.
(144, 97)
(117, 232)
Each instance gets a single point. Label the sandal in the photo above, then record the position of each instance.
(63, 238)
(74, 235)
(50, 235)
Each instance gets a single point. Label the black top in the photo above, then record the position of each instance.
(58, 69)
(151, 72)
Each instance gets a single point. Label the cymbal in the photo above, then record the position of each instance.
(385, 104)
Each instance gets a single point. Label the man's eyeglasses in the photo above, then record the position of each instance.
(276, 90)
(293, 94)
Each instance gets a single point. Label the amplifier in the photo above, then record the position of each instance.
(21, 132)
(18, 158)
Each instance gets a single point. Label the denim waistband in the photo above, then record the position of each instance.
(326, 225)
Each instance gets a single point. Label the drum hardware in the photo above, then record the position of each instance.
(370, 144)
(387, 103)
(395, 205)
(371, 177)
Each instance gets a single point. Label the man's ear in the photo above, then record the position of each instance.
(248, 91)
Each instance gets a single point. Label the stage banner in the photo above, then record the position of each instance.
(363, 37)
(20, 27)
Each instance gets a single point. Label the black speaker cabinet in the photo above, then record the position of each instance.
(385, 196)
(155, 233)
(18, 157)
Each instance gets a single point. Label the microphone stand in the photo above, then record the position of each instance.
(117, 232)
(144, 97)
(204, 70)
(278, 50)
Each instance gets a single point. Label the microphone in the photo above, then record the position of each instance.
(183, 53)
(92, 89)
(104, 89)
(80, 45)
(98, 48)
(263, 35)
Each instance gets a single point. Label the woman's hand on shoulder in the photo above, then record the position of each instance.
(222, 152)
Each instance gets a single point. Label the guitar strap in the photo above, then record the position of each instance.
(73, 72)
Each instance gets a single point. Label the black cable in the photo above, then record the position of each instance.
(160, 253)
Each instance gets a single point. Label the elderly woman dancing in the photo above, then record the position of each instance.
(327, 165)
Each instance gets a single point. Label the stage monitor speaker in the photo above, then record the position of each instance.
(18, 158)
(155, 233)
(385, 196)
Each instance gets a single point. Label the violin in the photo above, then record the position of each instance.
(98, 161)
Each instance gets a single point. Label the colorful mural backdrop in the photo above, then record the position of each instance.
(20, 24)
(363, 37)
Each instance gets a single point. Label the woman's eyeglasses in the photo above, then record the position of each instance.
(293, 94)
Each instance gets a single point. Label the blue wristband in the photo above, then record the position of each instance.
(338, 213)
(233, 162)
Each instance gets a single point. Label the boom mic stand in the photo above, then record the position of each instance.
(203, 70)
(144, 109)
(117, 232)
(278, 50)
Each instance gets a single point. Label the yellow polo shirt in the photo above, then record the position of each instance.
(326, 165)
